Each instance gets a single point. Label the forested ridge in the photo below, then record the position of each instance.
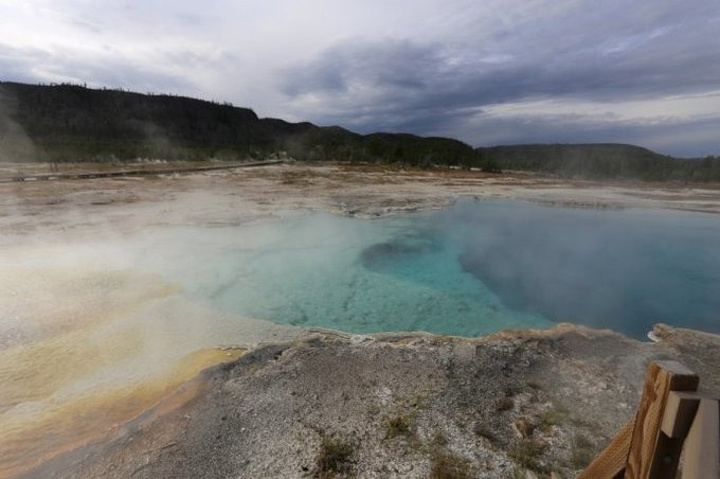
(601, 161)
(68, 122)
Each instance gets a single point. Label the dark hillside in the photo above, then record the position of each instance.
(74, 123)
(599, 161)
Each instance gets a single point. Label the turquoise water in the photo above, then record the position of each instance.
(474, 268)
(319, 270)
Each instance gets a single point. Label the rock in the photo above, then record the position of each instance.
(349, 392)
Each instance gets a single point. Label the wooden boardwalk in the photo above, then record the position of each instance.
(135, 172)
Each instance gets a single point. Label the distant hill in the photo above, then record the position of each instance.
(74, 123)
(599, 160)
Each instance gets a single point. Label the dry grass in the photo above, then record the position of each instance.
(334, 458)
(398, 426)
(528, 454)
(446, 465)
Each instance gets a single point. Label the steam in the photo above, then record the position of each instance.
(159, 146)
(15, 144)
(620, 270)
(116, 303)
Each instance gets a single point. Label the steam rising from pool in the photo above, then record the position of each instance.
(472, 269)
(321, 270)
(90, 324)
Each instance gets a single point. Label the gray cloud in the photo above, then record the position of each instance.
(460, 68)
(423, 77)
(690, 138)
(394, 66)
(105, 71)
(14, 64)
(423, 87)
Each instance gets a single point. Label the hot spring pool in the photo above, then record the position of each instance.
(474, 268)
(95, 332)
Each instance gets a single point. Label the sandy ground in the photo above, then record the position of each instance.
(60, 210)
(48, 308)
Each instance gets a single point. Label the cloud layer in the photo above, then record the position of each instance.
(497, 71)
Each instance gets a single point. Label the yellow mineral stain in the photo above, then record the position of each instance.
(79, 356)
(37, 371)
(36, 368)
(40, 302)
(28, 441)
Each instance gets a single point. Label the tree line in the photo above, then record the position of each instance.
(69, 122)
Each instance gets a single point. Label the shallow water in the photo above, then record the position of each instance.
(321, 270)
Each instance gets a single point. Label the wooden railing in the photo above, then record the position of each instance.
(672, 413)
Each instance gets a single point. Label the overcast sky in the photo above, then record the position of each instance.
(484, 71)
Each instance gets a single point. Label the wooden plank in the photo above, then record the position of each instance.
(680, 410)
(610, 463)
(653, 455)
(702, 447)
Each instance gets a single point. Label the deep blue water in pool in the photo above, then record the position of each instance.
(471, 269)
(624, 270)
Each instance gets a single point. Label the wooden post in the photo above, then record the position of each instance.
(702, 447)
(679, 414)
(654, 455)
(642, 450)
(611, 462)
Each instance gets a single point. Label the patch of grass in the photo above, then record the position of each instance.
(397, 426)
(440, 439)
(525, 427)
(527, 454)
(511, 391)
(295, 178)
(582, 452)
(578, 422)
(483, 430)
(373, 409)
(553, 417)
(335, 458)
(504, 404)
(519, 473)
(582, 442)
(581, 458)
(535, 385)
(419, 402)
(446, 465)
